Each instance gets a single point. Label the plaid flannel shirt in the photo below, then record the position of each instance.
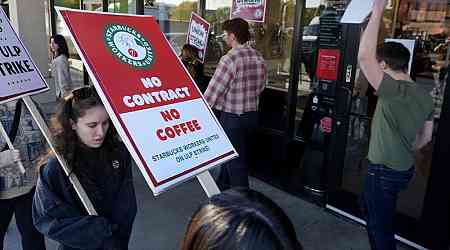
(238, 81)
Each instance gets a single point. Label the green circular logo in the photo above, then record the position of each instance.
(128, 45)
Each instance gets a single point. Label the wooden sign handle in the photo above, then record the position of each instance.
(208, 184)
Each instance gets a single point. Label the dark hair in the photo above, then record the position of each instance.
(240, 219)
(396, 56)
(193, 51)
(239, 27)
(62, 45)
(70, 110)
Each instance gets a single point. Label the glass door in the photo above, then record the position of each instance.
(426, 23)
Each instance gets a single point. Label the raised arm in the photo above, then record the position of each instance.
(368, 47)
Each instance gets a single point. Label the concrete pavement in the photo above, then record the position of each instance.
(161, 221)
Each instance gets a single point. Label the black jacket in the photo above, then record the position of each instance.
(107, 179)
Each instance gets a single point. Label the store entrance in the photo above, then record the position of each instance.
(416, 206)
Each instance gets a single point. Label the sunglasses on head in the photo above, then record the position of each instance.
(83, 93)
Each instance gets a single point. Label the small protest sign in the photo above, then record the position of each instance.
(198, 35)
(250, 10)
(19, 76)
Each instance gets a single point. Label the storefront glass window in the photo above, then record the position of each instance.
(76, 65)
(173, 17)
(122, 6)
(426, 23)
(273, 39)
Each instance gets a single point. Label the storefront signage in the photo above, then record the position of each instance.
(328, 64)
(198, 35)
(151, 99)
(19, 76)
(250, 10)
(326, 124)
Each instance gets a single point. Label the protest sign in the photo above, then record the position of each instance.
(250, 10)
(19, 76)
(152, 101)
(198, 35)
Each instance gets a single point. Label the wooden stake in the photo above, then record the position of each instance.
(208, 184)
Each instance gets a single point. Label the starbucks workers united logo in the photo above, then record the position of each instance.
(128, 45)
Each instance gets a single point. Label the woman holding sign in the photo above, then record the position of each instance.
(103, 166)
(17, 187)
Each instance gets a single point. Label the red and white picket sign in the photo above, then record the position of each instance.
(154, 104)
(198, 35)
(250, 10)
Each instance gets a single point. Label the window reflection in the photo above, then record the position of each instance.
(173, 17)
(122, 6)
(426, 23)
(76, 66)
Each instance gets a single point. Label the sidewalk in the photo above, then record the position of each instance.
(161, 221)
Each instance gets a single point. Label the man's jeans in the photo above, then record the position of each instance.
(381, 189)
(239, 129)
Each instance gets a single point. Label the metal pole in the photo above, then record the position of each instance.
(140, 7)
(208, 184)
(447, 57)
(105, 5)
(202, 8)
(52, 12)
(394, 20)
(295, 80)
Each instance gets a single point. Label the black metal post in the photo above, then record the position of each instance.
(435, 214)
(201, 8)
(294, 71)
(52, 12)
(105, 5)
(140, 7)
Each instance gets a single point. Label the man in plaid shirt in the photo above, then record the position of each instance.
(234, 92)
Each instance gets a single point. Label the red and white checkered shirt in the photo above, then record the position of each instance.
(238, 81)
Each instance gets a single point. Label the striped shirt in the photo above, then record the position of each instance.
(238, 81)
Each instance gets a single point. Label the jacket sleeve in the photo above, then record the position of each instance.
(63, 78)
(61, 220)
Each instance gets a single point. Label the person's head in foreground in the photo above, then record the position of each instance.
(240, 219)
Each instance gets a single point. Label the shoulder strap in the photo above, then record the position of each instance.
(15, 125)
